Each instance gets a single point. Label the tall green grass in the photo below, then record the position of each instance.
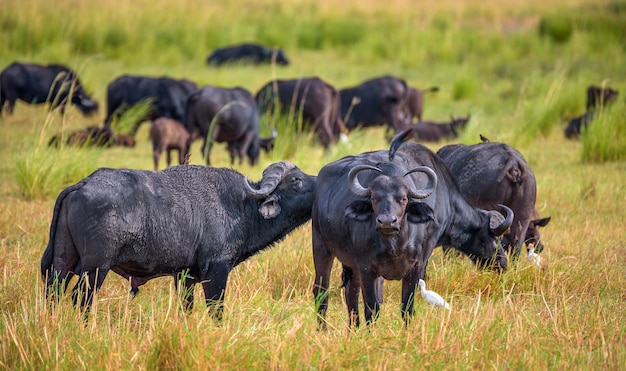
(604, 139)
(44, 169)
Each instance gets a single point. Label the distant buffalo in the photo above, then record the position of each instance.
(415, 102)
(600, 96)
(96, 136)
(169, 97)
(36, 84)
(576, 125)
(376, 102)
(428, 131)
(251, 53)
(166, 135)
(226, 115)
(317, 101)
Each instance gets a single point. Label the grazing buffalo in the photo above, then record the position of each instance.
(33, 83)
(380, 216)
(428, 131)
(90, 136)
(226, 115)
(533, 236)
(166, 135)
(577, 124)
(376, 102)
(415, 102)
(98, 136)
(494, 173)
(317, 101)
(600, 96)
(168, 97)
(251, 53)
(196, 221)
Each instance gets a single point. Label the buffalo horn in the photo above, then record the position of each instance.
(398, 140)
(430, 187)
(355, 187)
(505, 224)
(272, 175)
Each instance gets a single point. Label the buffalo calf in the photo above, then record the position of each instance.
(167, 135)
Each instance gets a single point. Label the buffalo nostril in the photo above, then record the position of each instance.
(386, 219)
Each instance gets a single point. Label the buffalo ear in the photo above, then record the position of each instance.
(270, 208)
(359, 210)
(541, 222)
(419, 212)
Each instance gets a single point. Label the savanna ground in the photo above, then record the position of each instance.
(519, 67)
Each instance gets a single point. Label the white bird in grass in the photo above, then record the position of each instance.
(432, 297)
(534, 257)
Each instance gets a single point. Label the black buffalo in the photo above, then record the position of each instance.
(376, 102)
(379, 217)
(578, 124)
(36, 84)
(226, 115)
(168, 97)
(494, 173)
(251, 53)
(429, 131)
(600, 96)
(317, 101)
(197, 220)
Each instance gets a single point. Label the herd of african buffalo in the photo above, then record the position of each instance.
(380, 213)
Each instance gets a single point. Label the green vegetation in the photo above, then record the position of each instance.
(488, 58)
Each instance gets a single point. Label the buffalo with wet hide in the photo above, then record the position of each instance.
(194, 221)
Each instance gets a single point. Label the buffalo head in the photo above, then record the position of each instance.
(485, 249)
(533, 237)
(390, 199)
(84, 103)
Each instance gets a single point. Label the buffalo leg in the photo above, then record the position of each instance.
(323, 262)
(89, 283)
(368, 288)
(169, 157)
(214, 285)
(409, 283)
(352, 290)
(156, 156)
(243, 147)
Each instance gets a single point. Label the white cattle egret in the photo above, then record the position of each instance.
(534, 257)
(432, 297)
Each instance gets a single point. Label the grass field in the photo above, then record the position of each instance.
(520, 68)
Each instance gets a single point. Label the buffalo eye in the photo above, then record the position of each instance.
(296, 183)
